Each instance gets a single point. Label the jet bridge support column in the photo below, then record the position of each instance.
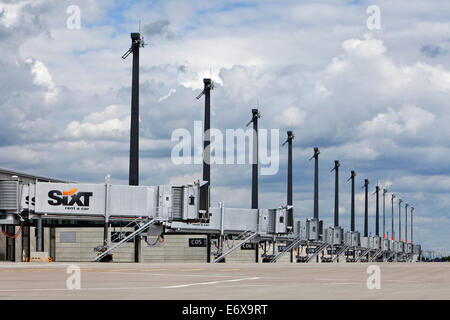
(39, 235)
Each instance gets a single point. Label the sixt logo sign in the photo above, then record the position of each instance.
(69, 198)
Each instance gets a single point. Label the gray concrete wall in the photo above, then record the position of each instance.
(239, 255)
(82, 249)
(175, 248)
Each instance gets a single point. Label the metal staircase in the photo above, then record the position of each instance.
(319, 249)
(289, 247)
(363, 254)
(242, 238)
(340, 252)
(125, 239)
(376, 255)
(390, 256)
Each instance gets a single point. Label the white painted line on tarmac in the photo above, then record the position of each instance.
(175, 275)
(331, 279)
(245, 286)
(206, 283)
(401, 281)
(73, 291)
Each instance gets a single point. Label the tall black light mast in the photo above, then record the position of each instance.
(255, 116)
(336, 192)
(290, 137)
(384, 213)
(316, 182)
(392, 202)
(208, 86)
(205, 190)
(406, 223)
(412, 227)
(352, 217)
(400, 219)
(377, 211)
(137, 42)
(366, 208)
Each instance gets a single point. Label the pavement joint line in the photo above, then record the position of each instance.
(206, 283)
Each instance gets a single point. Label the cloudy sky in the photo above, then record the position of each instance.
(375, 99)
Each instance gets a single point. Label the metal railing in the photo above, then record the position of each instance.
(129, 237)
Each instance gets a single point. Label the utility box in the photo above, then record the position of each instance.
(409, 248)
(302, 229)
(401, 246)
(385, 244)
(398, 246)
(375, 242)
(352, 238)
(281, 217)
(334, 235)
(365, 242)
(313, 226)
(277, 223)
(371, 245)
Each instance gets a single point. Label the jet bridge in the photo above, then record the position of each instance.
(110, 202)
(174, 208)
(181, 209)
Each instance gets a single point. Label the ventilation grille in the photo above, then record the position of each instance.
(177, 203)
(271, 222)
(9, 195)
